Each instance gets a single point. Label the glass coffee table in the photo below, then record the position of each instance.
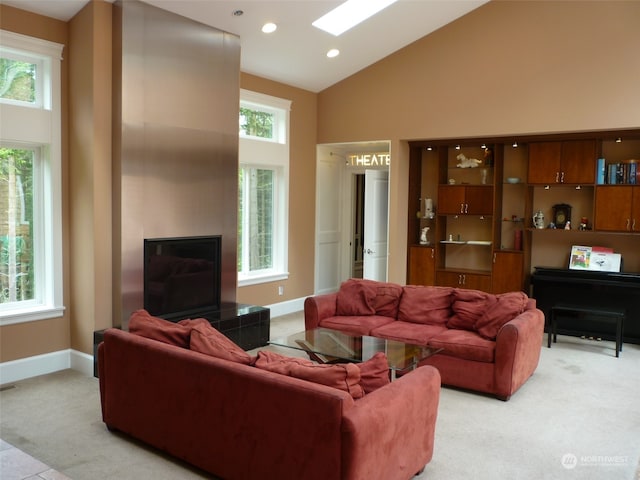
(325, 345)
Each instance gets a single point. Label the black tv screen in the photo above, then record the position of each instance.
(182, 275)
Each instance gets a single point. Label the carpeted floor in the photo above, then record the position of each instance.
(577, 418)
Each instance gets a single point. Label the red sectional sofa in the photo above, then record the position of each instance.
(491, 343)
(238, 421)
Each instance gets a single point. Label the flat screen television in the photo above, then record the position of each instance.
(182, 275)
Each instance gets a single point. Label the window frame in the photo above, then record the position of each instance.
(270, 154)
(38, 125)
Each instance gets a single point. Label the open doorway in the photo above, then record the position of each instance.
(345, 175)
(357, 236)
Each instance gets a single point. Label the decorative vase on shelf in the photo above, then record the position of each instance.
(428, 208)
(538, 219)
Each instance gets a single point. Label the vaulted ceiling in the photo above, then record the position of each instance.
(295, 54)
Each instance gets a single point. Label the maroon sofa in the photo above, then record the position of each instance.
(237, 421)
(491, 343)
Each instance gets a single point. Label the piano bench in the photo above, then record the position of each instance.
(602, 314)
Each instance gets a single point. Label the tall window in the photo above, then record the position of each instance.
(263, 178)
(30, 179)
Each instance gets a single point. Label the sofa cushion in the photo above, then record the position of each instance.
(507, 307)
(144, 324)
(206, 339)
(429, 305)
(374, 373)
(343, 376)
(355, 324)
(387, 300)
(465, 345)
(277, 363)
(468, 306)
(192, 322)
(355, 297)
(408, 332)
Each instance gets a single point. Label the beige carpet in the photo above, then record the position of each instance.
(577, 418)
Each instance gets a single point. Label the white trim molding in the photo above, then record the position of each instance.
(284, 308)
(24, 368)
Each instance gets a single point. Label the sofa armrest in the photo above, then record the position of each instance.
(518, 346)
(317, 308)
(390, 432)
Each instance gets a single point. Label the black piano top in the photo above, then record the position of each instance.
(585, 276)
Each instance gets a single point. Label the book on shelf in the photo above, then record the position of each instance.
(602, 171)
(620, 173)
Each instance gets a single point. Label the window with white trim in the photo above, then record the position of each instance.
(30, 179)
(263, 188)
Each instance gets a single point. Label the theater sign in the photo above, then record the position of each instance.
(369, 160)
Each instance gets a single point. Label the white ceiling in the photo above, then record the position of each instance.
(296, 53)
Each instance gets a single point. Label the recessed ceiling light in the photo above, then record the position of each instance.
(334, 52)
(269, 27)
(349, 14)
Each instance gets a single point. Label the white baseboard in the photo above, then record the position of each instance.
(82, 362)
(283, 308)
(24, 368)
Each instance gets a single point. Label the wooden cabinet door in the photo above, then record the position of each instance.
(449, 279)
(578, 162)
(422, 266)
(451, 199)
(635, 210)
(545, 160)
(477, 282)
(469, 200)
(507, 275)
(613, 208)
(479, 200)
(464, 280)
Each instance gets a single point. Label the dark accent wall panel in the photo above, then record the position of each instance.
(176, 97)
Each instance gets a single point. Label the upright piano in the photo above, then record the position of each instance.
(551, 286)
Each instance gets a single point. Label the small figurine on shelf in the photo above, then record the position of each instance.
(567, 226)
(467, 162)
(584, 224)
(424, 240)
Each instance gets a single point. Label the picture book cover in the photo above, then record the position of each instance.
(594, 258)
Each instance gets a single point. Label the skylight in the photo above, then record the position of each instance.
(349, 14)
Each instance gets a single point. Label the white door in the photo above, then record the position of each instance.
(329, 176)
(376, 200)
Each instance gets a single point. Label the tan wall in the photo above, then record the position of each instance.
(506, 68)
(302, 168)
(44, 336)
(90, 173)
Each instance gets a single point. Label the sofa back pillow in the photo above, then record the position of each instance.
(144, 324)
(208, 340)
(355, 297)
(467, 307)
(343, 376)
(374, 373)
(387, 299)
(428, 305)
(506, 308)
